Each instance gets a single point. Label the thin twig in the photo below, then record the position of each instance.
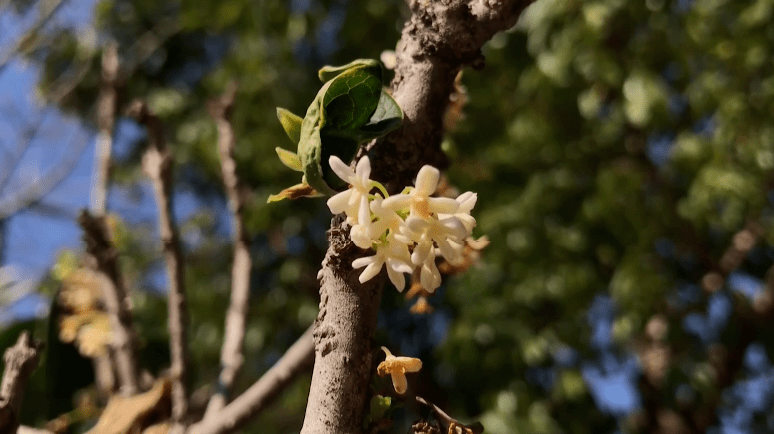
(157, 164)
(100, 247)
(35, 191)
(19, 45)
(20, 360)
(247, 405)
(236, 318)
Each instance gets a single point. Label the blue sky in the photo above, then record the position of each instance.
(34, 239)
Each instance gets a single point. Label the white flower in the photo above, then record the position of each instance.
(394, 254)
(419, 200)
(360, 236)
(386, 218)
(429, 276)
(466, 201)
(448, 233)
(353, 201)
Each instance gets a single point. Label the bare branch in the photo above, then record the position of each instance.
(439, 39)
(157, 164)
(106, 117)
(20, 360)
(24, 42)
(10, 163)
(236, 318)
(146, 45)
(99, 246)
(262, 393)
(35, 191)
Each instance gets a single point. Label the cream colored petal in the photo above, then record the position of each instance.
(360, 236)
(397, 202)
(363, 170)
(416, 224)
(454, 228)
(443, 205)
(342, 170)
(386, 351)
(371, 270)
(467, 201)
(420, 253)
(450, 252)
(427, 180)
(399, 382)
(364, 212)
(410, 364)
(399, 265)
(362, 262)
(396, 277)
(339, 201)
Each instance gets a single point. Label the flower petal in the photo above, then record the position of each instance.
(363, 170)
(427, 180)
(342, 170)
(399, 382)
(410, 364)
(443, 205)
(363, 211)
(396, 278)
(399, 266)
(397, 202)
(362, 262)
(339, 201)
(467, 201)
(359, 235)
(371, 270)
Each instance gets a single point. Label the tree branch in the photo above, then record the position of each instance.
(35, 191)
(262, 393)
(157, 164)
(236, 318)
(105, 257)
(439, 39)
(106, 117)
(28, 38)
(20, 360)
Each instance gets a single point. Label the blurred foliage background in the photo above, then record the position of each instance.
(623, 155)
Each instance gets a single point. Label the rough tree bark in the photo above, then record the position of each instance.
(440, 38)
(20, 360)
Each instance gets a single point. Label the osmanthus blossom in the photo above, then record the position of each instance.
(406, 230)
(396, 367)
(392, 253)
(352, 201)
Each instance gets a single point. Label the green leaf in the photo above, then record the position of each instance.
(289, 159)
(387, 117)
(294, 192)
(328, 73)
(349, 109)
(351, 99)
(291, 123)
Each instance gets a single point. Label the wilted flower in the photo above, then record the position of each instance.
(397, 368)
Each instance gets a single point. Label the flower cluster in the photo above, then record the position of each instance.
(408, 230)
